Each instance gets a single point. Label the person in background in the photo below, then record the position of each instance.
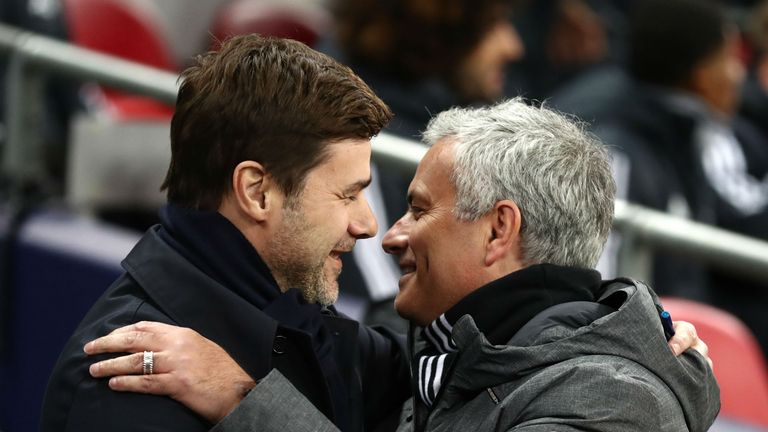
(743, 296)
(425, 57)
(754, 97)
(680, 146)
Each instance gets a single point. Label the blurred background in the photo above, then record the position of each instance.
(678, 90)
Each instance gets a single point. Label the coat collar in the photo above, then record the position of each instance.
(504, 306)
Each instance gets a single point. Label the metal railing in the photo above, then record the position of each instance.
(33, 57)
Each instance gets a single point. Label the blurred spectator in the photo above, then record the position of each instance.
(754, 107)
(563, 39)
(423, 57)
(679, 148)
(742, 296)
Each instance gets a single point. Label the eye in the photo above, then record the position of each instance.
(348, 199)
(416, 212)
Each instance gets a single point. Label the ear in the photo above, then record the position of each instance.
(254, 190)
(504, 238)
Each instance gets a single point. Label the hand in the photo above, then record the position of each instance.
(685, 337)
(187, 367)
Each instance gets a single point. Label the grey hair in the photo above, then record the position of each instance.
(558, 174)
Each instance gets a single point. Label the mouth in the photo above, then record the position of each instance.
(335, 255)
(407, 267)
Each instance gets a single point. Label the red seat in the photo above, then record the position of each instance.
(304, 24)
(739, 365)
(120, 28)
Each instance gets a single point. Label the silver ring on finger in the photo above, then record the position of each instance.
(148, 366)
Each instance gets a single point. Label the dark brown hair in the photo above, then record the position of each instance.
(274, 101)
(415, 38)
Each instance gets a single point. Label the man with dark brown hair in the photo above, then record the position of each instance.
(270, 155)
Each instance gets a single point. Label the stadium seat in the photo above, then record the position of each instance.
(739, 365)
(124, 29)
(287, 20)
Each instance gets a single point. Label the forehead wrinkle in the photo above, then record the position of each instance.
(357, 186)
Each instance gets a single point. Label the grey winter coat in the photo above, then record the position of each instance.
(613, 374)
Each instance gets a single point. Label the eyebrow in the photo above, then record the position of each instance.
(357, 186)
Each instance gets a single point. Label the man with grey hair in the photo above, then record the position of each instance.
(512, 328)
(508, 214)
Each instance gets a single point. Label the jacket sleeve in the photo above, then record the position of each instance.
(275, 405)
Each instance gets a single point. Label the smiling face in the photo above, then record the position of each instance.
(440, 256)
(323, 222)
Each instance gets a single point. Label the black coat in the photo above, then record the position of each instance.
(160, 285)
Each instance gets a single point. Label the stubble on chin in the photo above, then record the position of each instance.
(309, 281)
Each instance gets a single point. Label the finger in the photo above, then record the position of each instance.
(684, 338)
(684, 326)
(157, 384)
(703, 349)
(133, 341)
(131, 364)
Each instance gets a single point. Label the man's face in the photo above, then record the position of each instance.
(323, 222)
(440, 256)
(718, 79)
(480, 77)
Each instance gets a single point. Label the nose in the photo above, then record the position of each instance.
(395, 241)
(363, 224)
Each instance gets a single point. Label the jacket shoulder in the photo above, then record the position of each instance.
(597, 392)
(76, 401)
